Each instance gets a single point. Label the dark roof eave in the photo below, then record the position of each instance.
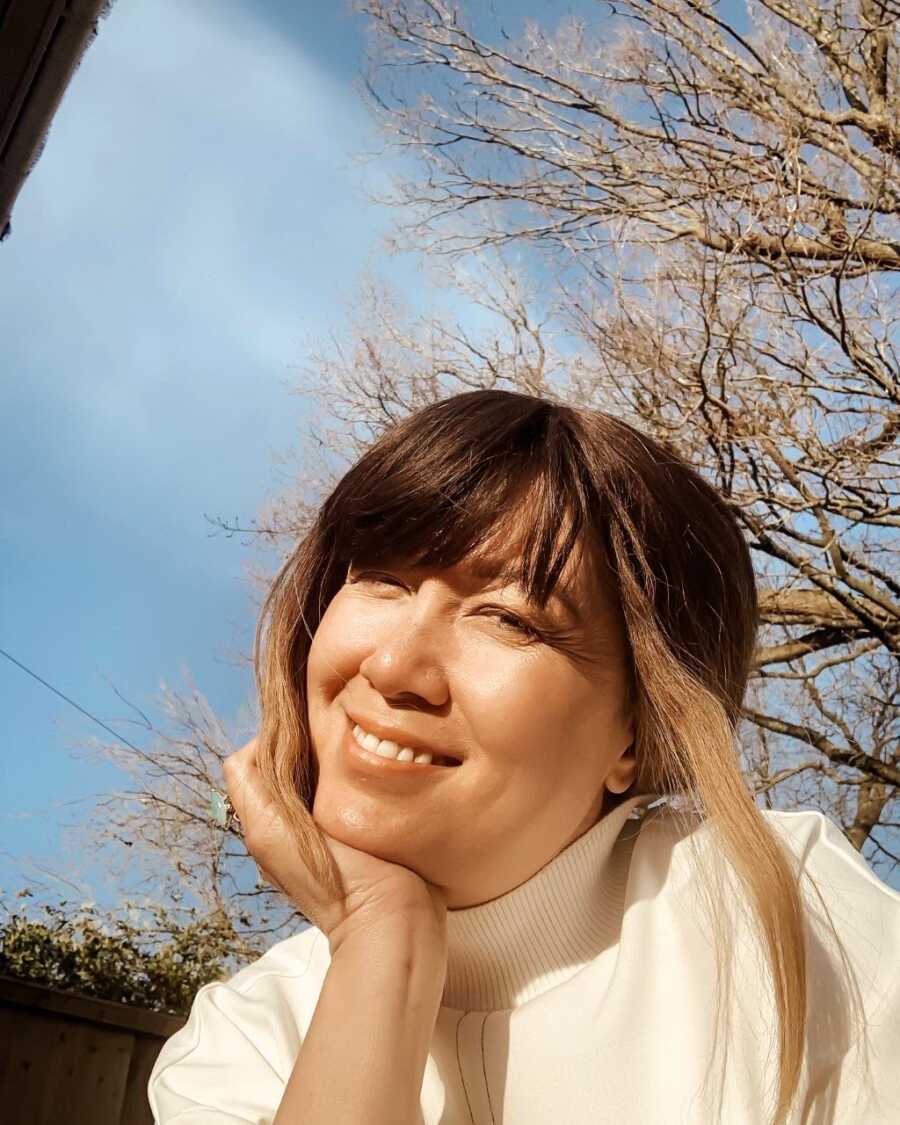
(42, 43)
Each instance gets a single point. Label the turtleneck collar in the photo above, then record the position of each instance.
(536, 936)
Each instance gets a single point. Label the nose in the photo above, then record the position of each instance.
(404, 665)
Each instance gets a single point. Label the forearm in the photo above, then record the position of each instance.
(364, 1055)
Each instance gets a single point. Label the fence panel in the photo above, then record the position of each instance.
(67, 1059)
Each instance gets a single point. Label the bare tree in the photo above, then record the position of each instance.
(694, 224)
(165, 862)
(691, 223)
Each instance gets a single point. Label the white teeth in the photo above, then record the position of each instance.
(368, 740)
(386, 748)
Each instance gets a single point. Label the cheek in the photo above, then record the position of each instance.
(334, 654)
(520, 706)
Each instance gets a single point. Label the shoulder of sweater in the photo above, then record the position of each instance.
(252, 1018)
(305, 954)
(818, 841)
(811, 835)
(819, 846)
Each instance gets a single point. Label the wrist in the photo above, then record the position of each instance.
(413, 936)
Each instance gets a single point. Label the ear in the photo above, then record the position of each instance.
(621, 777)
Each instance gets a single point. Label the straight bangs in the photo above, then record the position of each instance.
(508, 492)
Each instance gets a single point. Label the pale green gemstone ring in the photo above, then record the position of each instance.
(222, 810)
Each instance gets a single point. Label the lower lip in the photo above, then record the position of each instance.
(388, 767)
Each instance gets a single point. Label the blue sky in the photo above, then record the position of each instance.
(195, 220)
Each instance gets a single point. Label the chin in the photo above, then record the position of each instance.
(346, 822)
(357, 829)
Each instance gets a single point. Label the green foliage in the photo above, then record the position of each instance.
(107, 957)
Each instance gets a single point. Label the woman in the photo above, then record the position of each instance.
(576, 912)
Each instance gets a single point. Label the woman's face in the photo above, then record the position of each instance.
(537, 721)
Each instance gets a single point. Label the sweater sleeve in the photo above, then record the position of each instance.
(221, 1068)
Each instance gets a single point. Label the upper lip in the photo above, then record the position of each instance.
(402, 738)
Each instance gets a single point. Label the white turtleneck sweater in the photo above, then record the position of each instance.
(584, 996)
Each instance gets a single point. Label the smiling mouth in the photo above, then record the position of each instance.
(358, 739)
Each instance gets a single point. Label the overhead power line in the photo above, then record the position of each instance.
(71, 702)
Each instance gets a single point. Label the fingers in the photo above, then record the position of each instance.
(264, 833)
(245, 787)
(240, 760)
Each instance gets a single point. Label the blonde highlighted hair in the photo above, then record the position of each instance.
(433, 489)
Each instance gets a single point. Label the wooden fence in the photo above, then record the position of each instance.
(67, 1059)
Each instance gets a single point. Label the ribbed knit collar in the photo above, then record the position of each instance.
(506, 951)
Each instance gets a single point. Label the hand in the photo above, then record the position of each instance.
(378, 893)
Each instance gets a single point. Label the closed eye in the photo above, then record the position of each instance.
(369, 575)
(508, 619)
(517, 623)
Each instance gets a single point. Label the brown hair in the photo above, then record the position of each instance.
(434, 488)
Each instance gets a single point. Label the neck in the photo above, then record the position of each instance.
(516, 946)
